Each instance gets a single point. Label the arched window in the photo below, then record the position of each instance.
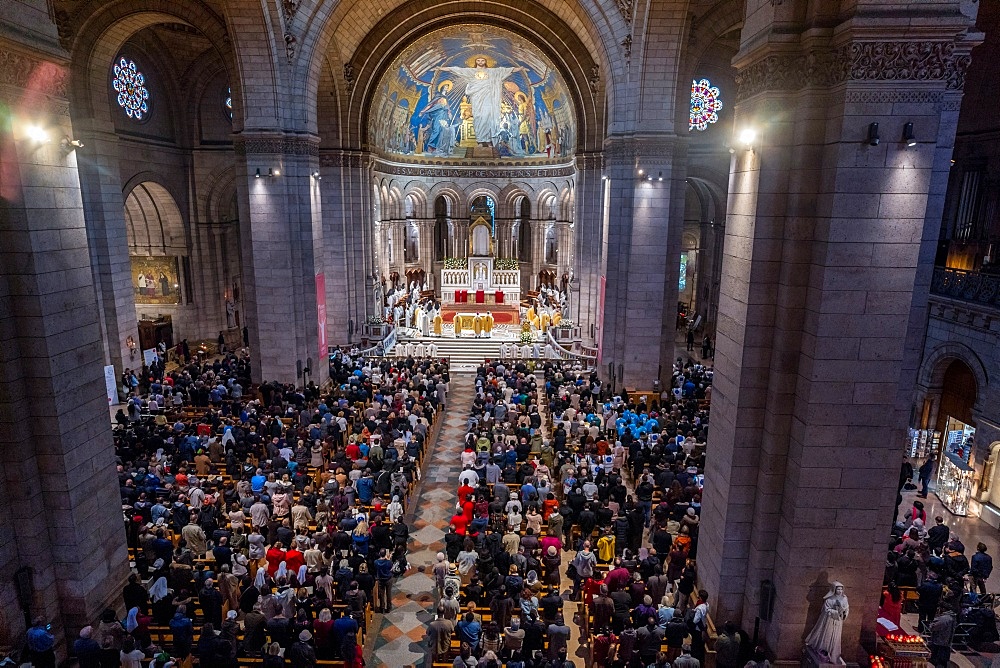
(130, 84)
(229, 103)
(440, 228)
(551, 246)
(524, 231)
(411, 250)
(705, 105)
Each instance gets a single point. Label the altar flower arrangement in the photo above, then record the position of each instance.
(456, 263)
(527, 336)
(505, 263)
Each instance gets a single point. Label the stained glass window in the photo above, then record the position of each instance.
(229, 103)
(130, 84)
(705, 104)
(682, 281)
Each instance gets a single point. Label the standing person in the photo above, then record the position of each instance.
(690, 340)
(925, 471)
(929, 595)
(383, 583)
(699, 626)
(41, 644)
(981, 567)
(942, 632)
(706, 347)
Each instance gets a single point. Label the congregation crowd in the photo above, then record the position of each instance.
(267, 526)
(264, 528)
(927, 569)
(576, 507)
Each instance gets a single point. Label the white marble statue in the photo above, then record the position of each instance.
(826, 635)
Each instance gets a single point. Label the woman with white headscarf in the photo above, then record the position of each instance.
(162, 602)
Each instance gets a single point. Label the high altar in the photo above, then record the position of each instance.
(480, 281)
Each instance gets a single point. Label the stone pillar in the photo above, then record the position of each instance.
(349, 246)
(589, 239)
(279, 253)
(638, 240)
(108, 241)
(59, 508)
(564, 237)
(823, 239)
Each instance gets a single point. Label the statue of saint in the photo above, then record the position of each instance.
(826, 635)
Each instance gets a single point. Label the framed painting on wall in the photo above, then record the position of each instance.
(155, 279)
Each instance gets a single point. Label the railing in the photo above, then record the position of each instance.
(380, 348)
(968, 286)
(455, 277)
(506, 277)
(589, 361)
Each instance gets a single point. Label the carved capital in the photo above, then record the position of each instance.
(29, 73)
(858, 61)
(276, 146)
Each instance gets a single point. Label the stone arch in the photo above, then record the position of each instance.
(930, 378)
(202, 74)
(932, 370)
(508, 199)
(416, 192)
(221, 189)
(453, 194)
(546, 203)
(168, 106)
(479, 190)
(106, 26)
(567, 202)
(395, 203)
(153, 220)
(385, 39)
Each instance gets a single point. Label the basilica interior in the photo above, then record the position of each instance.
(808, 186)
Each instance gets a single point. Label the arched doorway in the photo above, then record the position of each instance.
(160, 265)
(956, 476)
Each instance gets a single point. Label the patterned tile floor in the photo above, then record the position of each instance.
(398, 639)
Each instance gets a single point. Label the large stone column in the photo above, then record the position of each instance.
(589, 237)
(638, 243)
(108, 240)
(349, 243)
(823, 238)
(280, 240)
(60, 511)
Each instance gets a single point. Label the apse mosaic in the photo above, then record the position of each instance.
(472, 91)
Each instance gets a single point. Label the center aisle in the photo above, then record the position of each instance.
(399, 640)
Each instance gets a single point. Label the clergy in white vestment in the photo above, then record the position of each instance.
(409, 348)
(419, 350)
(432, 350)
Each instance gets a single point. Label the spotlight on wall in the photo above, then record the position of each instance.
(604, 177)
(747, 137)
(873, 138)
(317, 176)
(37, 134)
(908, 137)
(271, 173)
(69, 145)
(660, 177)
(257, 175)
(641, 172)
